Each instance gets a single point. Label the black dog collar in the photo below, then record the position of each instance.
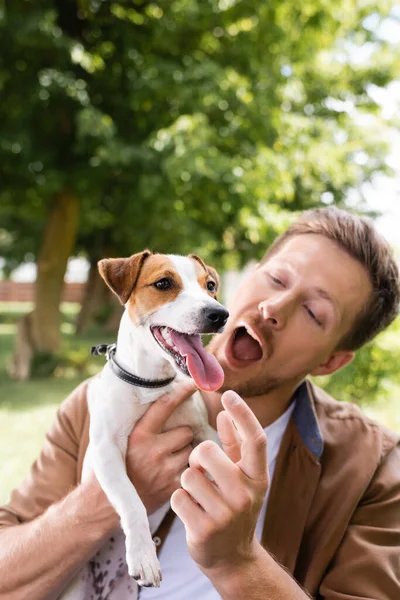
(109, 351)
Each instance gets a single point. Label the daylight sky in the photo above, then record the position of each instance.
(385, 194)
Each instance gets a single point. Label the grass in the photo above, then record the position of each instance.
(28, 408)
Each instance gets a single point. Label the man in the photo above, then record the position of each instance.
(318, 514)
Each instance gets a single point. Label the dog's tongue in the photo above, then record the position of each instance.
(203, 367)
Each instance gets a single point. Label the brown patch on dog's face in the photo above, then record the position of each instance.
(206, 276)
(158, 283)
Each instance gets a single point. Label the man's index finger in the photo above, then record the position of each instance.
(254, 461)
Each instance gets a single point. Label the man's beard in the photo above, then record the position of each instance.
(252, 387)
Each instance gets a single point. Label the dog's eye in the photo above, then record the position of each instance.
(163, 284)
(211, 286)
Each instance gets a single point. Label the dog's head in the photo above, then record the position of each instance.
(174, 297)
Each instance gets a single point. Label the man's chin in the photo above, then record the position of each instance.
(248, 387)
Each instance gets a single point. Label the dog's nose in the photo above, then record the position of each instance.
(216, 317)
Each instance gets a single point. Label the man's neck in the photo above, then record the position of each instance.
(267, 408)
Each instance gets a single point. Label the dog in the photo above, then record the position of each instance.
(169, 301)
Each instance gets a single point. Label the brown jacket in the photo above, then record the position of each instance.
(333, 517)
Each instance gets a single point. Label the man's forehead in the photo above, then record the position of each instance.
(307, 249)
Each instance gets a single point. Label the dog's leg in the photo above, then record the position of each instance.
(109, 468)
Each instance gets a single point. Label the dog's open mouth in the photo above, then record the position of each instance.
(190, 356)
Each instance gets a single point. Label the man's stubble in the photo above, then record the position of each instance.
(250, 388)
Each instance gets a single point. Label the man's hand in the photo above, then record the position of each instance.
(156, 460)
(220, 516)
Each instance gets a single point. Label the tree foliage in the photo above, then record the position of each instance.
(204, 122)
(372, 374)
(185, 125)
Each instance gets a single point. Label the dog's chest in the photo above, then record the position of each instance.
(118, 406)
(115, 404)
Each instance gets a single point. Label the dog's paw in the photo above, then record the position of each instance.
(144, 567)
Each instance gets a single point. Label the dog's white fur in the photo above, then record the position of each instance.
(116, 406)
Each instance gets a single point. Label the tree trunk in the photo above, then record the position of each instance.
(39, 332)
(112, 324)
(58, 244)
(96, 297)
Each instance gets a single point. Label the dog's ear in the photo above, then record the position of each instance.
(121, 274)
(210, 270)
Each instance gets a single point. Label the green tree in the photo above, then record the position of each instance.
(180, 125)
(372, 374)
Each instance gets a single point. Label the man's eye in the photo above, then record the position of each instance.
(163, 284)
(276, 280)
(312, 315)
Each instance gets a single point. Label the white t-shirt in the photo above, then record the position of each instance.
(181, 577)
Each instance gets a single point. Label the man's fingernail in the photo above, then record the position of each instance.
(231, 398)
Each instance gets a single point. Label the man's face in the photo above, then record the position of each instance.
(289, 314)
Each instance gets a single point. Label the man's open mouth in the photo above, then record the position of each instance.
(190, 356)
(245, 347)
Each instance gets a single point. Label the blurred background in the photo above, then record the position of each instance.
(183, 126)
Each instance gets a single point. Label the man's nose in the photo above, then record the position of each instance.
(275, 311)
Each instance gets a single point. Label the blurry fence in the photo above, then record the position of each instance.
(13, 291)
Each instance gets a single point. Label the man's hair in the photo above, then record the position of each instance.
(359, 238)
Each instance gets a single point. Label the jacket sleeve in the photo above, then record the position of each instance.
(367, 563)
(54, 473)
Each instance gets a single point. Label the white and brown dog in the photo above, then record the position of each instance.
(169, 302)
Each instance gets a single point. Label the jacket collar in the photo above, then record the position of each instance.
(305, 418)
(296, 477)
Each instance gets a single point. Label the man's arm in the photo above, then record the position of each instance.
(367, 563)
(45, 532)
(51, 528)
(258, 579)
(40, 557)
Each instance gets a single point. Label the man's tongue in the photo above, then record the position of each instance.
(245, 347)
(203, 367)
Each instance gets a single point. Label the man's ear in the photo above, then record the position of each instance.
(121, 274)
(336, 361)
